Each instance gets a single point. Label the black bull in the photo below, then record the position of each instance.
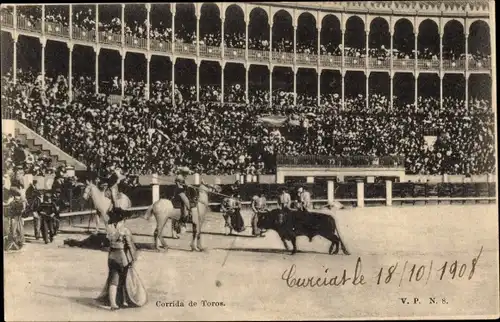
(290, 224)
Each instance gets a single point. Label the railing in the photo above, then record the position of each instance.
(160, 46)
(56, 29)
(355, 62)
(234, 53)
(84, 35)
(347, 192)
(258, 55)
(25, 24)
(307, 59)
(480, 65)
(341, 161)
(282, 57)
(210, 51)
(334, 61)
(403, 63)
(7, 19)
(379, 63)
(184, 48)
(454, 64)
(428, 64)
(134, 42)
(110, 38)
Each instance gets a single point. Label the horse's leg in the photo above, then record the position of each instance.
(97, 222)
(198, 234)
(175, 228)
(294, 244)
(160, 224)
(196, 228)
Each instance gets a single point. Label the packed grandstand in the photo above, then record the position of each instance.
(157, 130)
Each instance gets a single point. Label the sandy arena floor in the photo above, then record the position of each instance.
(56, 282)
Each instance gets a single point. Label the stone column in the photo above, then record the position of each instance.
(361, 194)
(331, 191)
(14, 57)
(70, 70)
(148, 74)
(43, 42)
(155, 188)
(123, 55)
(388, 193)
(222, 67)
(198, 63)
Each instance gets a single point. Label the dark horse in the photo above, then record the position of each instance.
(289, 224)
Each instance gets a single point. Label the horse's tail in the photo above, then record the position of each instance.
(342, 245)
(149, 213)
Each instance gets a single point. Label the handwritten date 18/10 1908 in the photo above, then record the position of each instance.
(452, 270)
(417, 273)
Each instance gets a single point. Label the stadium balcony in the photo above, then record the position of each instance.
(355, 33)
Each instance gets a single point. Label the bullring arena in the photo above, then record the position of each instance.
(249, 270)
(386, 108)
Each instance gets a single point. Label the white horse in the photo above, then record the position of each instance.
(103, 204)
(163, 210)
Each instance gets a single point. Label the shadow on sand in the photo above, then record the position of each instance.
(271, 251)
(84, 301)
(100, 242)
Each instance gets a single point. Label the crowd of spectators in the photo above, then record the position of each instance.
(84, 19)
(147, 136)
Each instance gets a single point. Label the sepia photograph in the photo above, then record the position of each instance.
(235, 161)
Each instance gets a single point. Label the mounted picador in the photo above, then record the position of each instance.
(185, 194)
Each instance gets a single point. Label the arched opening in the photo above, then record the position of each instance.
(185, 22)
(258, 76)
(355, 45)
(29, 17)
(110, 20)
(307, 87)
(29, 55)
(428, 40)
(403, 90)
(453, 40)
(428, 88)
(7, 48)
(135, 20)
(282, 32)
(379, 88)
(110, 72)
(210, 25)
(479, 91)
(135, 74)
(234, 83)
(331, 88)
(234, 27)
(379, 39)
(355, 90)
(56, 59)
(210, 85)
(160, 78)
(258, 30)
(331, 36)
(161, 23)
(307, 34)
(56, 19)
(453, 92)
(480, 43)
(404, 39)
(283, 79)
(83, 69)
(185, 79)
(83, 20)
